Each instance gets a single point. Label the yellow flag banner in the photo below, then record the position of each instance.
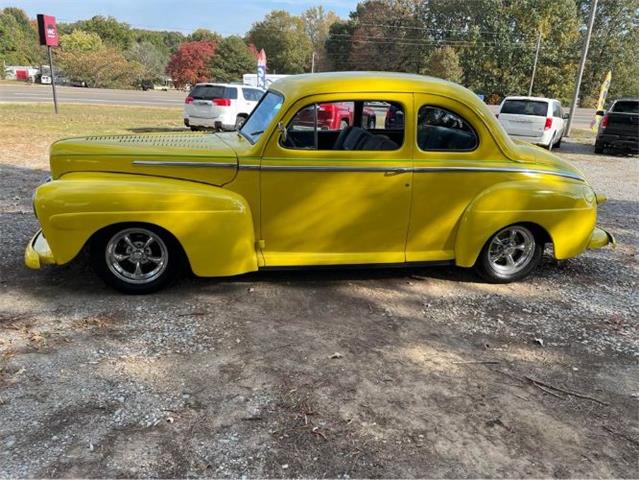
(604, 89)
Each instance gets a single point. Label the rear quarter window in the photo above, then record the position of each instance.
(525, 107)
(625, 107)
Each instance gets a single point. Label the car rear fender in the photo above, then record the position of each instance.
(213, 225)
(564, 209)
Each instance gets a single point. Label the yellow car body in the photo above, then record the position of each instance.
(235, 206)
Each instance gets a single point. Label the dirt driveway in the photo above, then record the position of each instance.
(358, 373)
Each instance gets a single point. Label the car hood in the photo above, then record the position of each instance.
(202, 157)
(540, 158)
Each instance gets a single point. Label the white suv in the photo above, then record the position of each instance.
(220, 106)
(533, 119)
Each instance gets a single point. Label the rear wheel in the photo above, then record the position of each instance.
(558, 143)
(509, 255)
(240, 122)
(598, 148)
(136, 259)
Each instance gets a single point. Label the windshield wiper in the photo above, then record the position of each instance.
(258, 132)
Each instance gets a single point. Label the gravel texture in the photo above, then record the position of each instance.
(357, 373)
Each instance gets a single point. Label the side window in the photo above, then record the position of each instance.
(231, 92)
(442, 130)
(557, 110)
(251, 94)
(347, 125)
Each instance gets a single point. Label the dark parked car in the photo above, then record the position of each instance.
(619, 126)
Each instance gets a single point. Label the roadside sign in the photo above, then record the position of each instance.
(602, 98)
(47, 30)
(262, 69)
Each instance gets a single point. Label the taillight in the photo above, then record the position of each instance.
(547, 123)
(222, 102)
(605, 121)
(188, 100)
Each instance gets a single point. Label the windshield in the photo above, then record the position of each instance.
(525, 107)
(262, 116)
(625, 107)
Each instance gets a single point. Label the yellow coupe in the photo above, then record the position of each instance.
(434, 179)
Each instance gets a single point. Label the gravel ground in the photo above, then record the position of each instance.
(358, 373)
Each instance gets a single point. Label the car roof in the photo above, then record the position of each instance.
(626, 99)
(537, 99)
(298, 86)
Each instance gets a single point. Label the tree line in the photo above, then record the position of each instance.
(487, 45)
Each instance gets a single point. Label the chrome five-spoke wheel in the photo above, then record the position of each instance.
(136, 258)
(510, 254)
(136, 255)
(511, 249)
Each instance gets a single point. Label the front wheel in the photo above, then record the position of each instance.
(136, 259)
(509, 255)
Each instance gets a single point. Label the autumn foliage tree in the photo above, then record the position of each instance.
(190, 64)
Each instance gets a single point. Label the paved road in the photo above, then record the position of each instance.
(42, 93)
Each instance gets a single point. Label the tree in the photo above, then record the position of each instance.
(81, 41)
(150, 57)
(444, 63)
(18, 39)
(105, 68)
(614, 46)
(112, 32)
(204, 35)
(380, 35)
(284, 40)
(232, 59)
(190, 63)
(317, 23)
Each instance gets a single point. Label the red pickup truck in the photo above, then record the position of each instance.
(339, 115)
(334, 116)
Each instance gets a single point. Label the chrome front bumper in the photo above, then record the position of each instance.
(38, 252)
(601, 238)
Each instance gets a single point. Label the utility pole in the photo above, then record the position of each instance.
(535, 63)
(313, 62)
(585, 51)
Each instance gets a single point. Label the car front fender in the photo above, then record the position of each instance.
(564, 209)
(213, 225)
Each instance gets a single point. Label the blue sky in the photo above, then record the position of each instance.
(223, 16)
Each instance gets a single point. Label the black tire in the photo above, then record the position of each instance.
(105, 246)
(494, 273)
(240, 121)
(598, 148)
(558, 143)
(194, 129)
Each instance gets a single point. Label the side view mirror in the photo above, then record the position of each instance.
(283, 132)
(565, 116)
(600, 113)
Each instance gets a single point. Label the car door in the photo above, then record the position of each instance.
(328, 198)
(455, 158)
